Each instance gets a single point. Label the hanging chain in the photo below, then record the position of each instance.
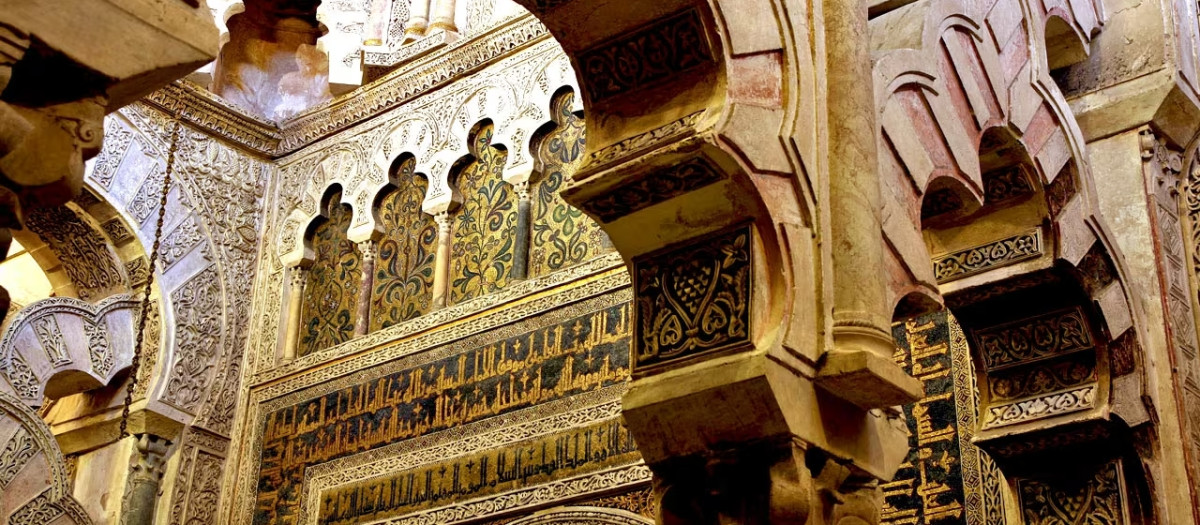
(140, 329)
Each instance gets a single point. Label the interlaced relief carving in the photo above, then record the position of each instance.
(971, 261)
(637, 144)
(1048, 377)
(84, 253)
(1082, 498)
(51, 339)
(1041, 407)
(1006, 185)
(17, 452)
(117, 140)
(198, 337)
(101, 355)
(694, 298)
(404, 273)
(179, 242)
(331, 293)
(484, 227)
(21, 377)
(562, 235)
(38, 511)
(646, 57)
(1048, 335)
(116, 230)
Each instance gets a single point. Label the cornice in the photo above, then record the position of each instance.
(199, 107)
(410, 81)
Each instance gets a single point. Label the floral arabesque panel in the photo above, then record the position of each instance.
(331, 292)
(403, 284)
(562, 235)
(485, 226)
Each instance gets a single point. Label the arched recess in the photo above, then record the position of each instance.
(403, 282)
(483, 239)
(984, 172)
(333, 277)
(561, 235)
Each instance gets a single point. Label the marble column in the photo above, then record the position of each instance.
(362, 319)
(418, 20)
(441, 268)
(443, 17)
(291, 341)
(520, 268)
(375, 32)
(860, 367)
(145, 476)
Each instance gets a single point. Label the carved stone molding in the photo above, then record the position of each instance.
(652, 188)
(94, 340)
(979, 259)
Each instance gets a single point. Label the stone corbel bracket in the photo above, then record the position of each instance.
(62, 346)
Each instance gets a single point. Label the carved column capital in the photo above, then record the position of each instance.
(147, 465)
(297, 277)
(149, 458)
(369, 250)
(442, 218)
(522, 190)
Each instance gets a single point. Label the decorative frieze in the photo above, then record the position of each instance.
(646, 57)
(652, 188)
(1042, 407)
(637, 144)
(573, 350)
(1048, 335)
(996, 254)
(694, 298)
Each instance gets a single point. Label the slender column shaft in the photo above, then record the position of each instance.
(378, 17)
(521, 246)
(291, 341)
(418, 20)
(441, 269)
(443, 16)
(362, 321)
(860, 311)
(145, 476)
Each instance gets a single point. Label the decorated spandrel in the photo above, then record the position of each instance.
(334, 279)
(561, 354)
(562, 235)
(945, 479)
(484, 238)
(403, 286)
